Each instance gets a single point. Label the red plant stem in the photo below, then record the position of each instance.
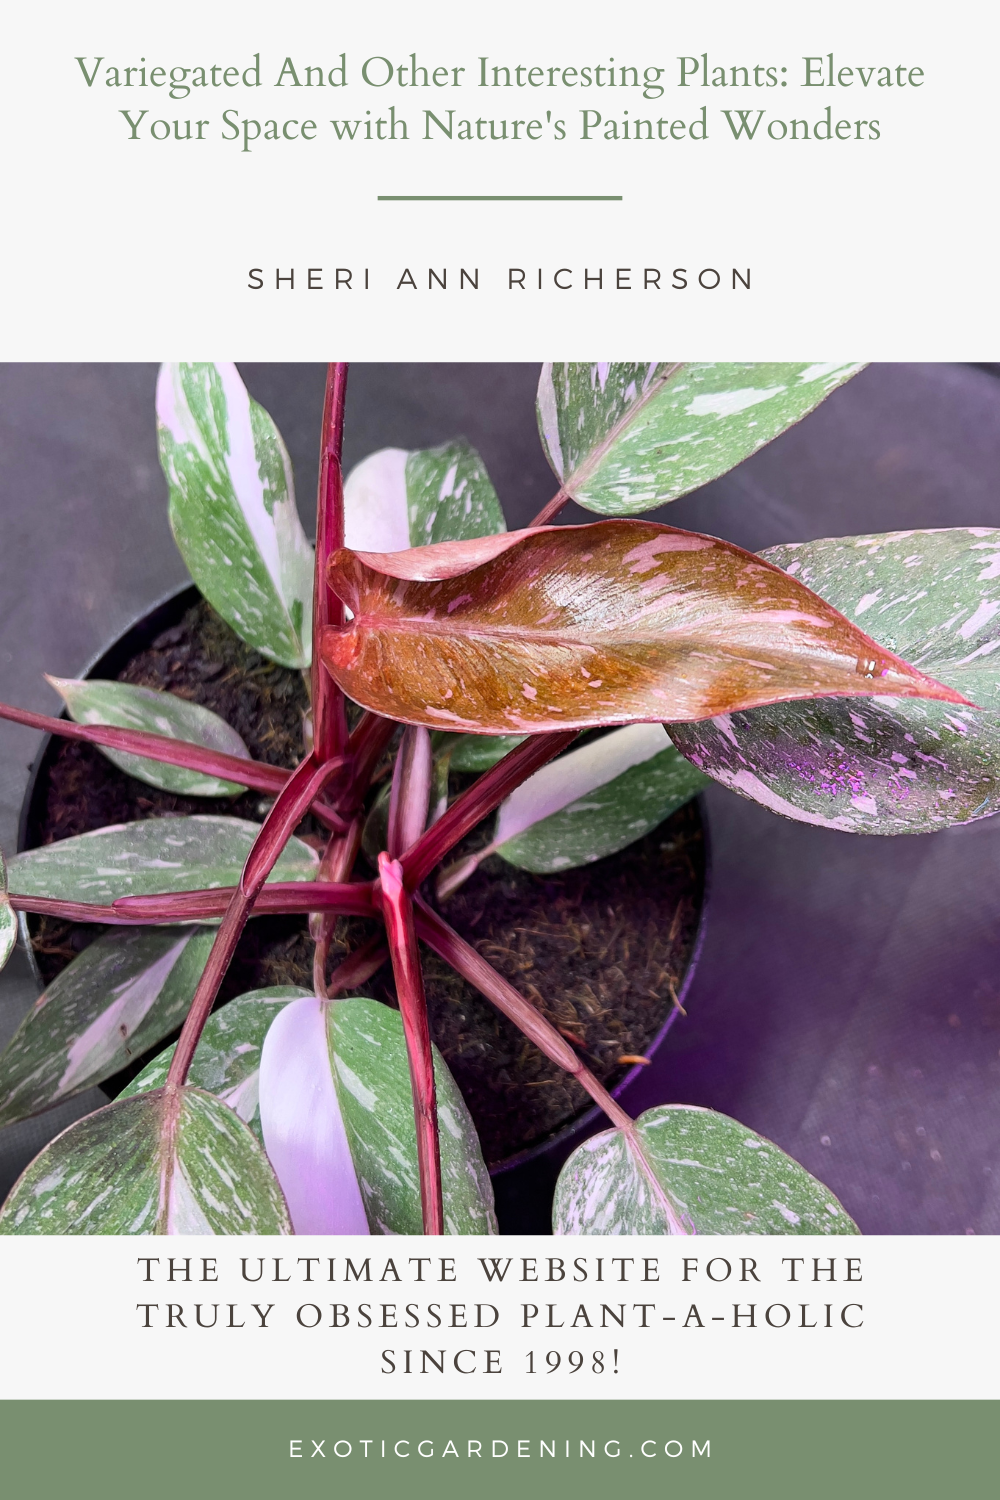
(278, 898)
(364, 749)
(464, 959)
(479, 801)
(329, 719)
(340, 853)
(411, 790)
(358, 967)
(212, 976)
(551, 510)
(159, 747)
(252, 773)
(397, 909)
(292, 804)
(329, 817)
(335, 866)
(72, 911)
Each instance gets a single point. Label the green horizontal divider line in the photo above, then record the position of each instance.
(500, 198)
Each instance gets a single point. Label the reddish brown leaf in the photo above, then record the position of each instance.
(562, 627)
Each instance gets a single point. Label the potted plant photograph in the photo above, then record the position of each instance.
(369, 876)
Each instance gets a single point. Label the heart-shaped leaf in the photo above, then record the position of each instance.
(227, 1058)
(719, 1177)
(232, 508)
(595, 800)
(93, 701)
(395, 499)
(161, 1163)
(566, 627)
(359, 1075)
(8, 917)
(121, 996)
(151, 857)
(881, 765)
(624, 438)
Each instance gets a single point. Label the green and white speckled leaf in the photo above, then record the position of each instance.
(120, 997)
(8, 917)
(875, 765)
(227, 1059)
(150, 858)
(478, 752)
(595, 800)
(720, 1177)
(150, 1165)
(232, 508)
(394, 499)
(93, 701)
(373, 1086)
(624, 438)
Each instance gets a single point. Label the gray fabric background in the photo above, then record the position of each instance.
(847, 1003)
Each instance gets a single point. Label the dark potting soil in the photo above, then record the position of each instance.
(601, 950)
(202, 660)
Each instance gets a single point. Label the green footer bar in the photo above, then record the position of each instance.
(376, 1449)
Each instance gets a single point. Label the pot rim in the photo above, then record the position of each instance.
(560, 1142)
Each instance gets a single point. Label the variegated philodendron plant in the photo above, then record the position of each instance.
(318, 1112)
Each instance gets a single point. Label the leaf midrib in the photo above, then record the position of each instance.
(597, 454)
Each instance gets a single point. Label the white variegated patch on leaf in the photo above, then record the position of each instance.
(232, 508)
(396, 499)
(303, 1126)
(226, 1061)
(589, 803)
(8, 917)
(158, 1163)
(336, 1072)
(151, 857)
(881, 765)
(94, 701)
(595, 800)
(624, 438)
(125, 992)
(718, 1177)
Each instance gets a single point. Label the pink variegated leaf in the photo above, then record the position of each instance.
(567, 627)
(337, 1116)
(304, 1132)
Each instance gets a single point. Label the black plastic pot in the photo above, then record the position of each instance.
(524, 1183)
